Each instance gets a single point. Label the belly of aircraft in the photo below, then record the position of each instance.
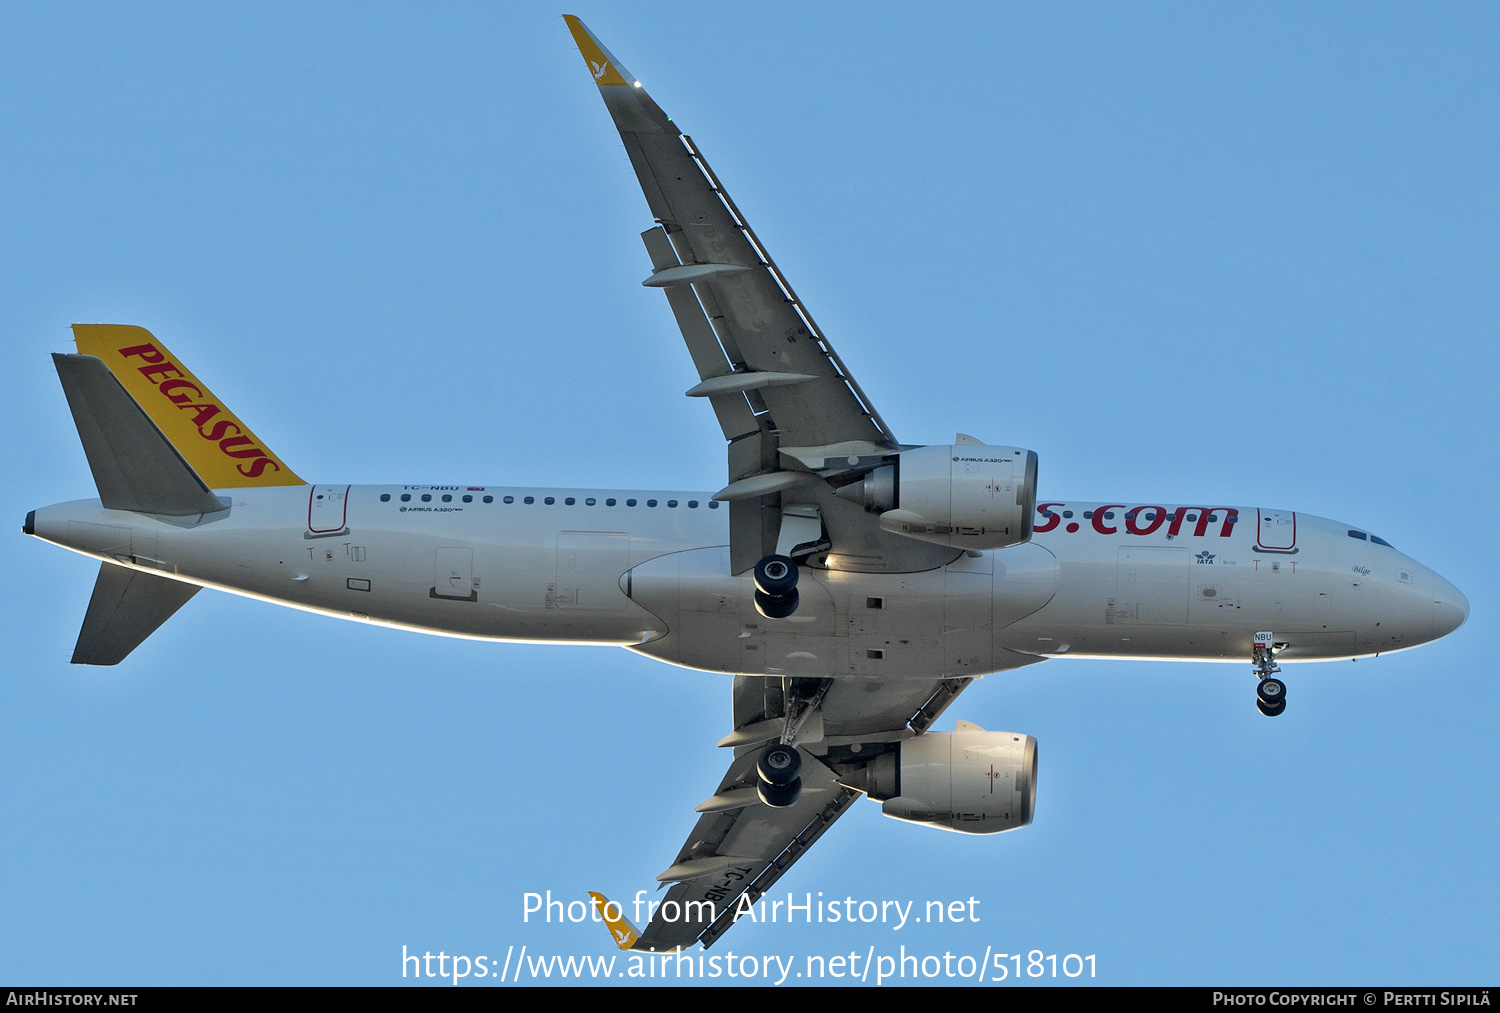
(656, 586)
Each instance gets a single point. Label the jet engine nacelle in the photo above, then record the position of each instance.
(970, 780)
(967, 496)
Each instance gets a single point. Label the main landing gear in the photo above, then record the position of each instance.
(1270, 695)
(780, 772)
(776, 587)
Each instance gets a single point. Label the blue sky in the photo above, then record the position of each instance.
(1242, 253)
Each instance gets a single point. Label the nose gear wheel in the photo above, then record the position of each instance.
(1270, 694)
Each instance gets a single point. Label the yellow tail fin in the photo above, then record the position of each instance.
(624, 933)
(216, 444)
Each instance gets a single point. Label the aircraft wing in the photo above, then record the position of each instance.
(740, 847)
(740, 852)
(786, 403)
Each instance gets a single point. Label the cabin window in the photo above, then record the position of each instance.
(610, 501)
(550, 500)
(427, 497)
(529, 499)
(468, 498)
(671, 503)
(491, 499)
(692, 504)
(651, 502)
(385, 497)
(447, 497)
(590, 501)
(569, 501)
(630, 502)
(713, 504)
(406, 497)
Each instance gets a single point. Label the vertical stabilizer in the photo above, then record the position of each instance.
(134, 466)
(220, 448)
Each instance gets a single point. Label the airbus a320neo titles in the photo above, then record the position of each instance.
(853, 585)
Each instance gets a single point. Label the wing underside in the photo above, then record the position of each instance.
(740, 847)
(792, 412)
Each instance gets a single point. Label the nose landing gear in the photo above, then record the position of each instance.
(1270, 697)
(1270, 694)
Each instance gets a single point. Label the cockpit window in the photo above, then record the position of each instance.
(1357, 534)
(1381, 541)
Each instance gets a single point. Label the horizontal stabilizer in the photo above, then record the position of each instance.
(134, 465)
(127, 607)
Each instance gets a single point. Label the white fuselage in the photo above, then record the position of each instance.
(651, 572)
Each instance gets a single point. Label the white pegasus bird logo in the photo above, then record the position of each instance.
(600, 69)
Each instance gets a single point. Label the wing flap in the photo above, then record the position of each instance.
(733, 411)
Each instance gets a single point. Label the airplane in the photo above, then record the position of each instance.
(852, 585)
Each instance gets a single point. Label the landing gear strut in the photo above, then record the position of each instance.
(1270, 695)
(776, 587)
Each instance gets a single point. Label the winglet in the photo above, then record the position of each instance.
(620, 928)
(602, 63)
(632, 109)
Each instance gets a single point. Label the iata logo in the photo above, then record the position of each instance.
(1205, 557)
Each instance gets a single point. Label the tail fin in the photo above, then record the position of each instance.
(620, 928)
(134, 466)
(219, 448)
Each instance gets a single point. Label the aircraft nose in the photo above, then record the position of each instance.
(1450, 609)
